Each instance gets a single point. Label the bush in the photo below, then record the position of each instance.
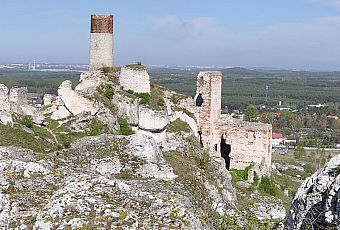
(204, 160)
(97, 128)
(299, 152)
(106, 90)
(125, 128)
(267, 186)
(145, 98)
(27, 121)
(161, 102)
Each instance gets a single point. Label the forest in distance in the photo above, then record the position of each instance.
(240, 88)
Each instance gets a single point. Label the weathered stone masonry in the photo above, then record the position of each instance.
(239, 143)
(101, 44)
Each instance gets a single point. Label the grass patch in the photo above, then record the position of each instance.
(178, 126)
(177, 98)
(267, 186)
(240, 175)
(97, 128)
(137, 66)
(26, 121)
(17, 137)
(125, 128)
(106, 90)
(42, 132)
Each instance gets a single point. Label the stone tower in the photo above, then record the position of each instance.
(101, 47)
(208, 99)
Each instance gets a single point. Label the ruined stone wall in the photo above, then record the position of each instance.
(134, 79)
(101, 41)
(209, 89)
(249, 143)
(18, 98)
(239, 143)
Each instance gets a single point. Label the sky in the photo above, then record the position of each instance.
(291, 34)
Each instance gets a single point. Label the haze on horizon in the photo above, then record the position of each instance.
(287, 34)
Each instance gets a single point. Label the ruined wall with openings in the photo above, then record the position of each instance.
(101, 41)
(137, 80)
(239, 143)
(249, 142)
(208, 100)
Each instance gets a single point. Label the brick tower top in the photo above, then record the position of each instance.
(101, 24)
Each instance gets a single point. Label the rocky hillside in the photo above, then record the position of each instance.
(317, 202)
(105, 156)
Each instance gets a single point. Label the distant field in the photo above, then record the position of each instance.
(242, 87)
(37, 82)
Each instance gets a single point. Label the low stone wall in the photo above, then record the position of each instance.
(136, 80)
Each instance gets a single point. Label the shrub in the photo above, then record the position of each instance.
(267, 186)
(106, 90)
(27, 121)
(204, 160)
(130, 91)
(145, 98)
(125, 128)
(299, 152)
(161, 102)
(97, 128)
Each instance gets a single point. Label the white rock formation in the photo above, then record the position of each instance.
(47, 99)
(128, 108)
(152, 120)
(60, 113)
(137, 80)
(6, 118)
(4, 100)
(317, 202)
(89, 81)
(18, 98)
(74, 102)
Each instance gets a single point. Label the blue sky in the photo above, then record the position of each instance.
(295, 34)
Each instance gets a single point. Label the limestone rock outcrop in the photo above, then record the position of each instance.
(16, 101)
(152, 120)
(73, 102)
(317, 203)
(128, 108)
(89, 81)
(4, 100)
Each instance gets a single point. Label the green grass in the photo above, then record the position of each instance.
(97, 128)
(125, 128)
(178, 126)
(17, 137)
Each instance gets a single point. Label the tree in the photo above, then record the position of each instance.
(251, 113)
(299, 152)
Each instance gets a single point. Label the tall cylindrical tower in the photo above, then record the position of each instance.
(101, 47)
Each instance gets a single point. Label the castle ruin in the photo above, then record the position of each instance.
(101, 41)
(239, 143)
